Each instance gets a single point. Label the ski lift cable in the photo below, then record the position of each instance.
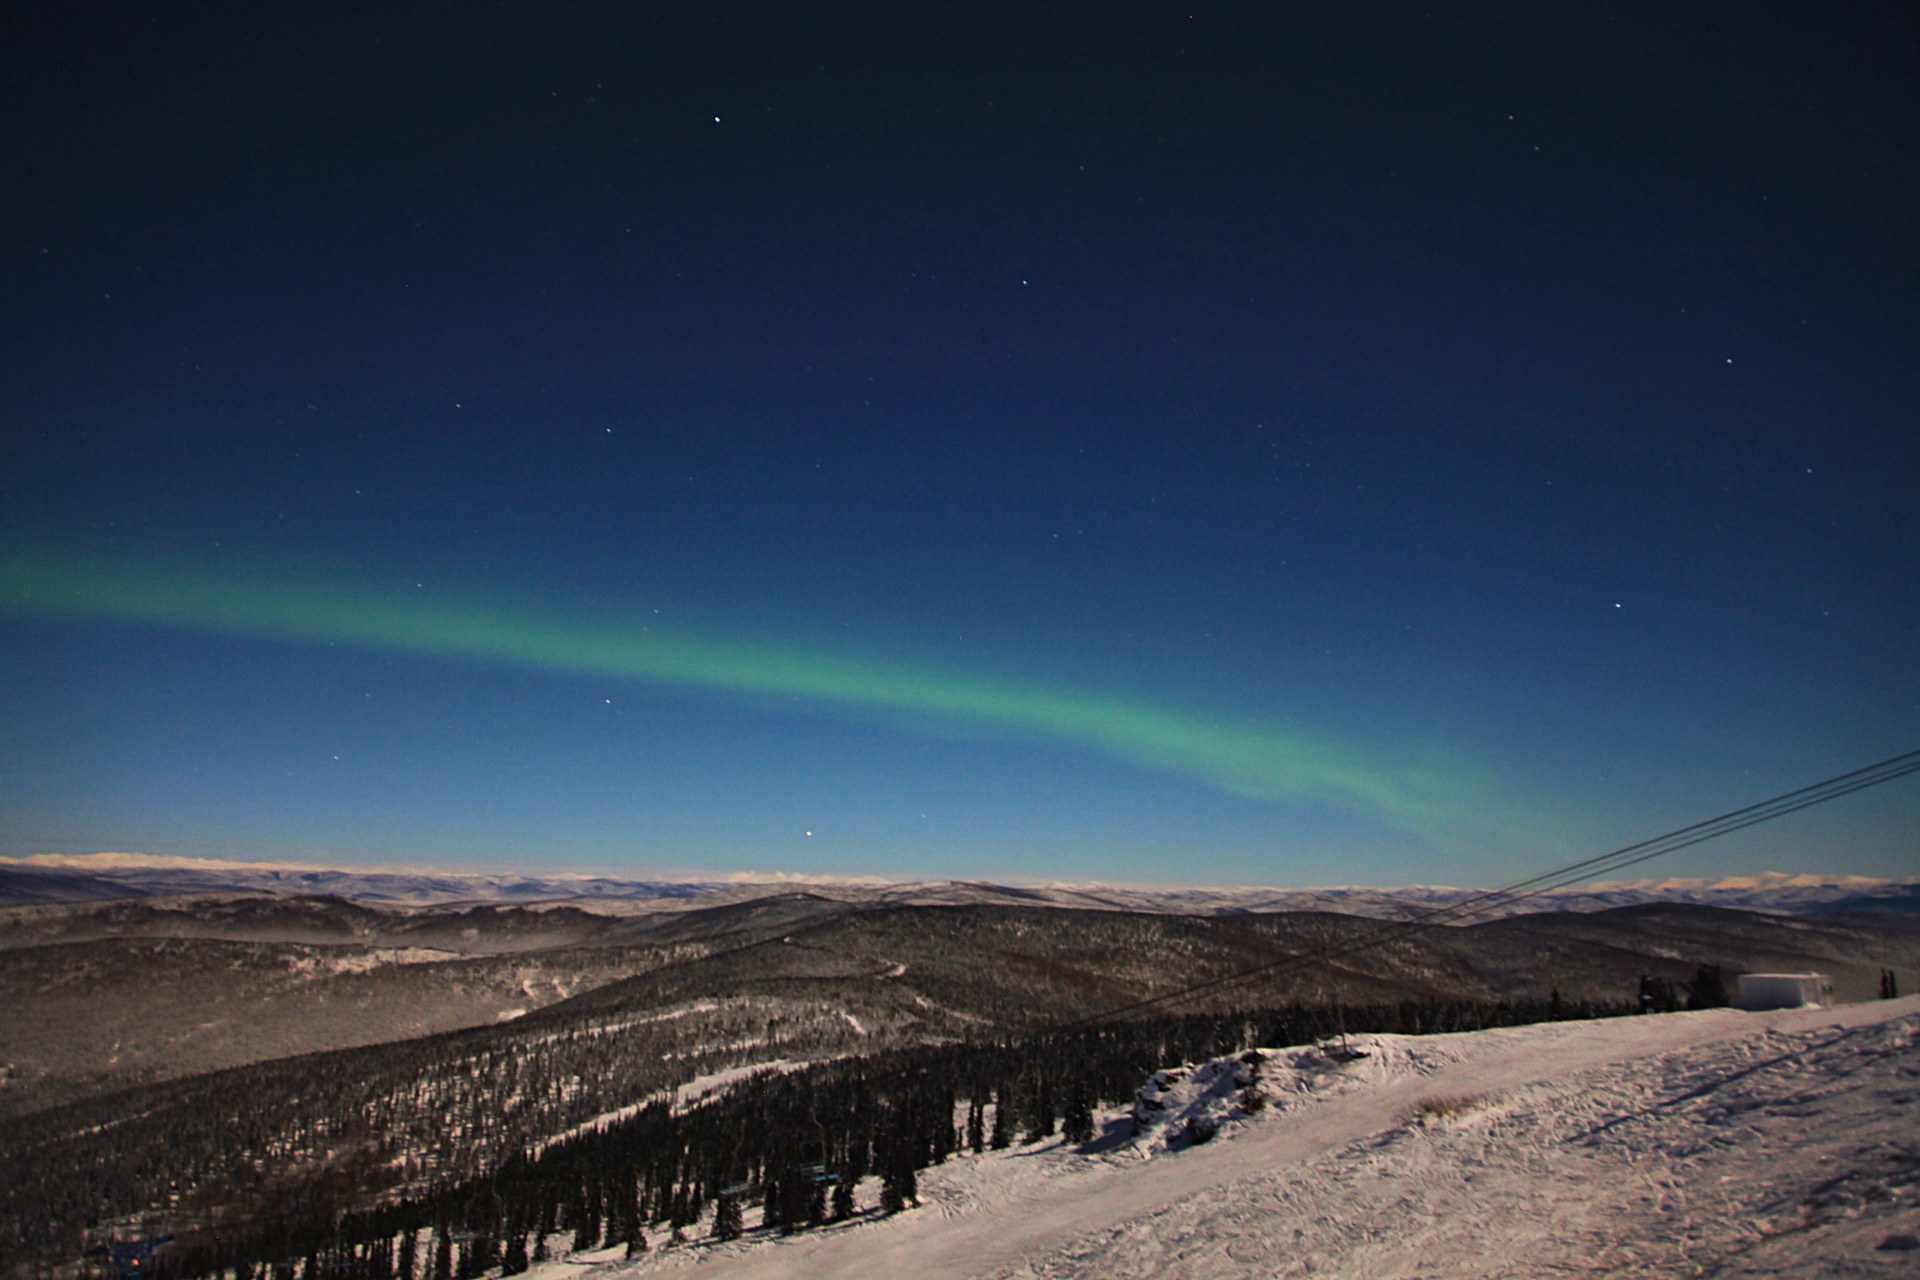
(1778, 806)
(1725, 824)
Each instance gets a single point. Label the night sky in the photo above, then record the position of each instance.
(1337, 444)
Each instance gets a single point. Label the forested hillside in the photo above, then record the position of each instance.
(918, 1016)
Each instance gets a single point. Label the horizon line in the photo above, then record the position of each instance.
(112, 860)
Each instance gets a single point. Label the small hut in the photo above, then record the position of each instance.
(1760, 991)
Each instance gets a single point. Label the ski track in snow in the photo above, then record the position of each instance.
(1699, 1144)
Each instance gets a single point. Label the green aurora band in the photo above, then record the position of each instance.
(1256, 763)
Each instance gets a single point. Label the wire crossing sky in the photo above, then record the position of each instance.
(1240, 760)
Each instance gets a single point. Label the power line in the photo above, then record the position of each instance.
(1779, 806)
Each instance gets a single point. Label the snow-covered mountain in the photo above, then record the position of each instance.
(1771, 892)
(72, 878)
(82, 877)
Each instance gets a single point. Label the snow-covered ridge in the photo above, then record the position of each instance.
(141, 875)
(69, 877)
(1676, 1144)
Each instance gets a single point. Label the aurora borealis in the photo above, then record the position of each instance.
(1240, 760)
(1248, 445)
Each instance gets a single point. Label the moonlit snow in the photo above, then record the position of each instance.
(1710, 1143)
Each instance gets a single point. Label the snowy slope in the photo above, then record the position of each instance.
(1714, 1143)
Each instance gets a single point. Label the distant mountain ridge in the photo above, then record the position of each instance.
(57, 878)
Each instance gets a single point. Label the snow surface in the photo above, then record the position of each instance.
(1690, 1144)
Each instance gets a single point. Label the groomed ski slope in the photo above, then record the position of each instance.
(1688, 1144)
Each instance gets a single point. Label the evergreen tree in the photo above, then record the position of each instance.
(1040, 1120)
(817, 1203)
(549, 1210)
(727, 1219)
(1656, 995)
(976, 1126)
(842, 1200)
(794, 1192)
(637, 1242)
(1708, 990)
(685, 1212)
(514, 1261)
(944, 1138)
(442, 1253)
(898, 1187)
(770, 1202)
(1002, 1117)
(586, 1229)
(409, 1268)
(1077, 1123)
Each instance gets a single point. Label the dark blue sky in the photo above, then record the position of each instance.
(1198, 444)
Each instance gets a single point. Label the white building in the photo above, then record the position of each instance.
(1783, 990)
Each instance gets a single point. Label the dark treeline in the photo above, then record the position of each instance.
(793, 1144)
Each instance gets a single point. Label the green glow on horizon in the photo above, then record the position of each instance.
(1241, 760)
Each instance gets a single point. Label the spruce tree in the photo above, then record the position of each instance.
(586, 1226)
(727, 1219)
(909, 1184)
(1708, 990)
(1002, 1117)
(796, 1190)
(1077, 1123)
(773, 1194)
(1040, 1122)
